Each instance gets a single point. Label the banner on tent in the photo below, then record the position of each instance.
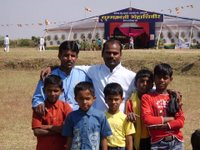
(131, 15)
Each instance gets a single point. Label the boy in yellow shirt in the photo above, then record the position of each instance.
(122, 129)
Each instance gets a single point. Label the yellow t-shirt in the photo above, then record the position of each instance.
(120, 129)
(141, 130)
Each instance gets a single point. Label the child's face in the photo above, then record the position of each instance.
(85, 99)
(162, 82)
(52, 92)
(113, 102)
(144, 84)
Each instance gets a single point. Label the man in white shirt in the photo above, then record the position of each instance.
(6, 44)
(111, 71)
(42, 44)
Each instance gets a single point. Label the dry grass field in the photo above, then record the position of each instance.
(19, 72)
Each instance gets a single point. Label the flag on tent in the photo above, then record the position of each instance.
(19, 25)
(47, 22)
(88, 9)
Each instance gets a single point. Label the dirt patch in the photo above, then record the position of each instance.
(36, 63)
(180, 67)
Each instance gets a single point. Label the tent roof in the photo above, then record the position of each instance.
(86, 23)
(92, 22)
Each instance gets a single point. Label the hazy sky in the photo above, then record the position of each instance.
(29, 13)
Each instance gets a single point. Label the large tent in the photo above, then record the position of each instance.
(150, 29)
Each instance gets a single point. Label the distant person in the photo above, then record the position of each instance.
(144, 84)
(111, 71)
(68, 55)
(198, 45)
(42, 42)
(99, 43)
(6, 44)
(195, 140)
(161, 114)
(86, 128)
(131, 43)
(47, 128)
(104, 41)
(122, 129)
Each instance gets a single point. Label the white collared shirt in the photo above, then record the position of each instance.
(101, 76)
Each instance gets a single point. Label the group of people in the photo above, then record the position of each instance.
(106, 106)
(7, 42)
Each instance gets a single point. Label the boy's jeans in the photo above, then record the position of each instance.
(172, 145)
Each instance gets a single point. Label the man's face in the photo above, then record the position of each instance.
(112, 55)
(68, 59)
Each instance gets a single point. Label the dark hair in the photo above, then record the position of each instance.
(195, 140)
(163, 69)
(111, 41)
(69, 45)
(113, 89)
(53, 79)
(143, 73)
(82, 86)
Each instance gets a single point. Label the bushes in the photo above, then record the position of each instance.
(25, 43)
(169, 46)
(20, 43)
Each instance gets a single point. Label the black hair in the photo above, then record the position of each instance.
(111, 41)
(163, 69)
(143, 73)
(82, 86)
(69, 45)
(53, 79)
(113, 89)
(195, 140)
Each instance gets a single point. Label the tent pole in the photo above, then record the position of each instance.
(191, 30)
(159, 35)
(94, 29)
(70, 32)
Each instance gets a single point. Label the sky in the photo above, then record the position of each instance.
(25, 18)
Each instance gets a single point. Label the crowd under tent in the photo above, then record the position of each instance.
(149, 29)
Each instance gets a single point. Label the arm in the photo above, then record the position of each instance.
(38, 99)
(68, 143)
(40, 109)
(178, 122)
(47, 130)
(56, 129)
(131, 116)
(84, 68)
(167, 119)
(147, 112)
(104, 144)
(47, 71)
(129, 142)
(42, 132)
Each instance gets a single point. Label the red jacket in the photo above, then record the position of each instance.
(55, 115)
(153, 109)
